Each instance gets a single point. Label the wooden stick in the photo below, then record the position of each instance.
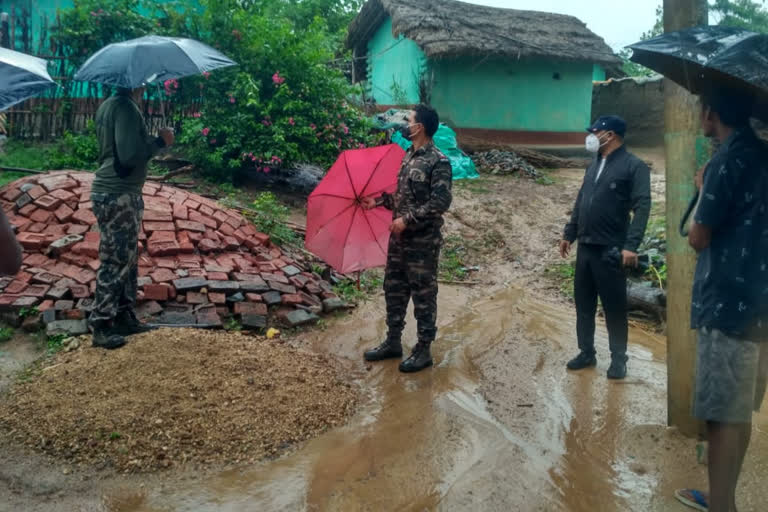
(21, 169)
(183, 170)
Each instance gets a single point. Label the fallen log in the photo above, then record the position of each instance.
(647, 298)
(547, 161)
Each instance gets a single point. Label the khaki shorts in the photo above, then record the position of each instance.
(731, 376)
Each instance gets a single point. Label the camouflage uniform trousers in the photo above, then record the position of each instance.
(119, 217)
(411, 273)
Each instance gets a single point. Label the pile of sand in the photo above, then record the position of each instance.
(177, 397)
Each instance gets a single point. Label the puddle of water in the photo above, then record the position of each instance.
(427, 441)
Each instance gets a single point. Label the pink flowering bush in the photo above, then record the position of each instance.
(264, 113)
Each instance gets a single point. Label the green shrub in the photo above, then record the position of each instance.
(270, 217)
(282, 104)
(6, 333)
(76, 151)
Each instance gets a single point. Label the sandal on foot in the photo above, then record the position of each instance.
(692, 498)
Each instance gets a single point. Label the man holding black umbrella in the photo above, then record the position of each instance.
(125, 151)
(730, 291)
(616, 184)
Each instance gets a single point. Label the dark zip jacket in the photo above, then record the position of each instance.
(601, 215)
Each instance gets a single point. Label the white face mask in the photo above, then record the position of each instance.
(594, 143)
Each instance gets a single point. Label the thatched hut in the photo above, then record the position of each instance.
(503, 74)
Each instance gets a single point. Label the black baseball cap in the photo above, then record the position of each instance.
(613, 124)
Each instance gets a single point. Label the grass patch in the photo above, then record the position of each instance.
(71, 151)
(476, 186)
(654, 245)
(233, 325)
(451, 266)
(55, 342)
(25, 155)
(6, 333)
(9, 176)
(564, 274)
(270, 215)
(545, 179)
(370, 283)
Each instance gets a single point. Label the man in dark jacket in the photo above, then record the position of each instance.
(616, 184)
(125, 149)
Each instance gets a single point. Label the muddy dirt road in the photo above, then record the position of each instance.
(497, 425)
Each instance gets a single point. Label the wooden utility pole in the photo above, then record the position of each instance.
(687, 150)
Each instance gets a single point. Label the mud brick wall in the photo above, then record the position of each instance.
(639, 101)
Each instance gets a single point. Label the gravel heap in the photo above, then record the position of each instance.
(177, 397)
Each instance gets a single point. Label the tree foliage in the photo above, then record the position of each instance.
(286, 101)
(748, 14)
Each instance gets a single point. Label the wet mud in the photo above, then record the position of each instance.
(497, 425)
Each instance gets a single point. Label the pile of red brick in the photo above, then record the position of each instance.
(198, 262)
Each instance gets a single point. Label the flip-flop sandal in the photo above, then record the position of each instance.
(699, 501)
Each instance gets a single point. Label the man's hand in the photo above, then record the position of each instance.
(368, 203)
(629, 258)
(167, 135)
(565, 248)
(398, 226)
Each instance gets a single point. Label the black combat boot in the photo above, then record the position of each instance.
(104, 336)
(581, 361)
(389, 349)
(127, 324)
(618, 368)
(419, 359)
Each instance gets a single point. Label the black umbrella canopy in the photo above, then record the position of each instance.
(702, 57)
(137, 62)
(21, 76)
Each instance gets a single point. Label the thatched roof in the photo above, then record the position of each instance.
(447, 28)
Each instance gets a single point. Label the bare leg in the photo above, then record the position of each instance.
(727, 446)
(745, 435)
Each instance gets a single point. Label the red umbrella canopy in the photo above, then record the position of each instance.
(339, 230)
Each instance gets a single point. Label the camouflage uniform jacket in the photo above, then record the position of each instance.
(423, 192)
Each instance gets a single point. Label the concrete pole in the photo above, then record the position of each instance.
(686, 151)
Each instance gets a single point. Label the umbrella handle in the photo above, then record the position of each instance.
(162, 103)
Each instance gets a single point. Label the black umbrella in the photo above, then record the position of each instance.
(21, 76)
(701, 57)
(137, 62)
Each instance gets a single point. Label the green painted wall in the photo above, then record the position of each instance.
(41, 15)
(394, 61)
(598, 73)
(502, 94)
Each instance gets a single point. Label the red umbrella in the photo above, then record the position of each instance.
(338, 229)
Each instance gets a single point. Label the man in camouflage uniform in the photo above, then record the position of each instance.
(125, 151)
(423, 195)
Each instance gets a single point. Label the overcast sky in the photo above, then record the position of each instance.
(619, 22)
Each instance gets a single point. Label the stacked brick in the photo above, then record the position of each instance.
(198, 263)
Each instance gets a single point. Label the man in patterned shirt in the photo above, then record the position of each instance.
(730, 235)
(423, 195)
